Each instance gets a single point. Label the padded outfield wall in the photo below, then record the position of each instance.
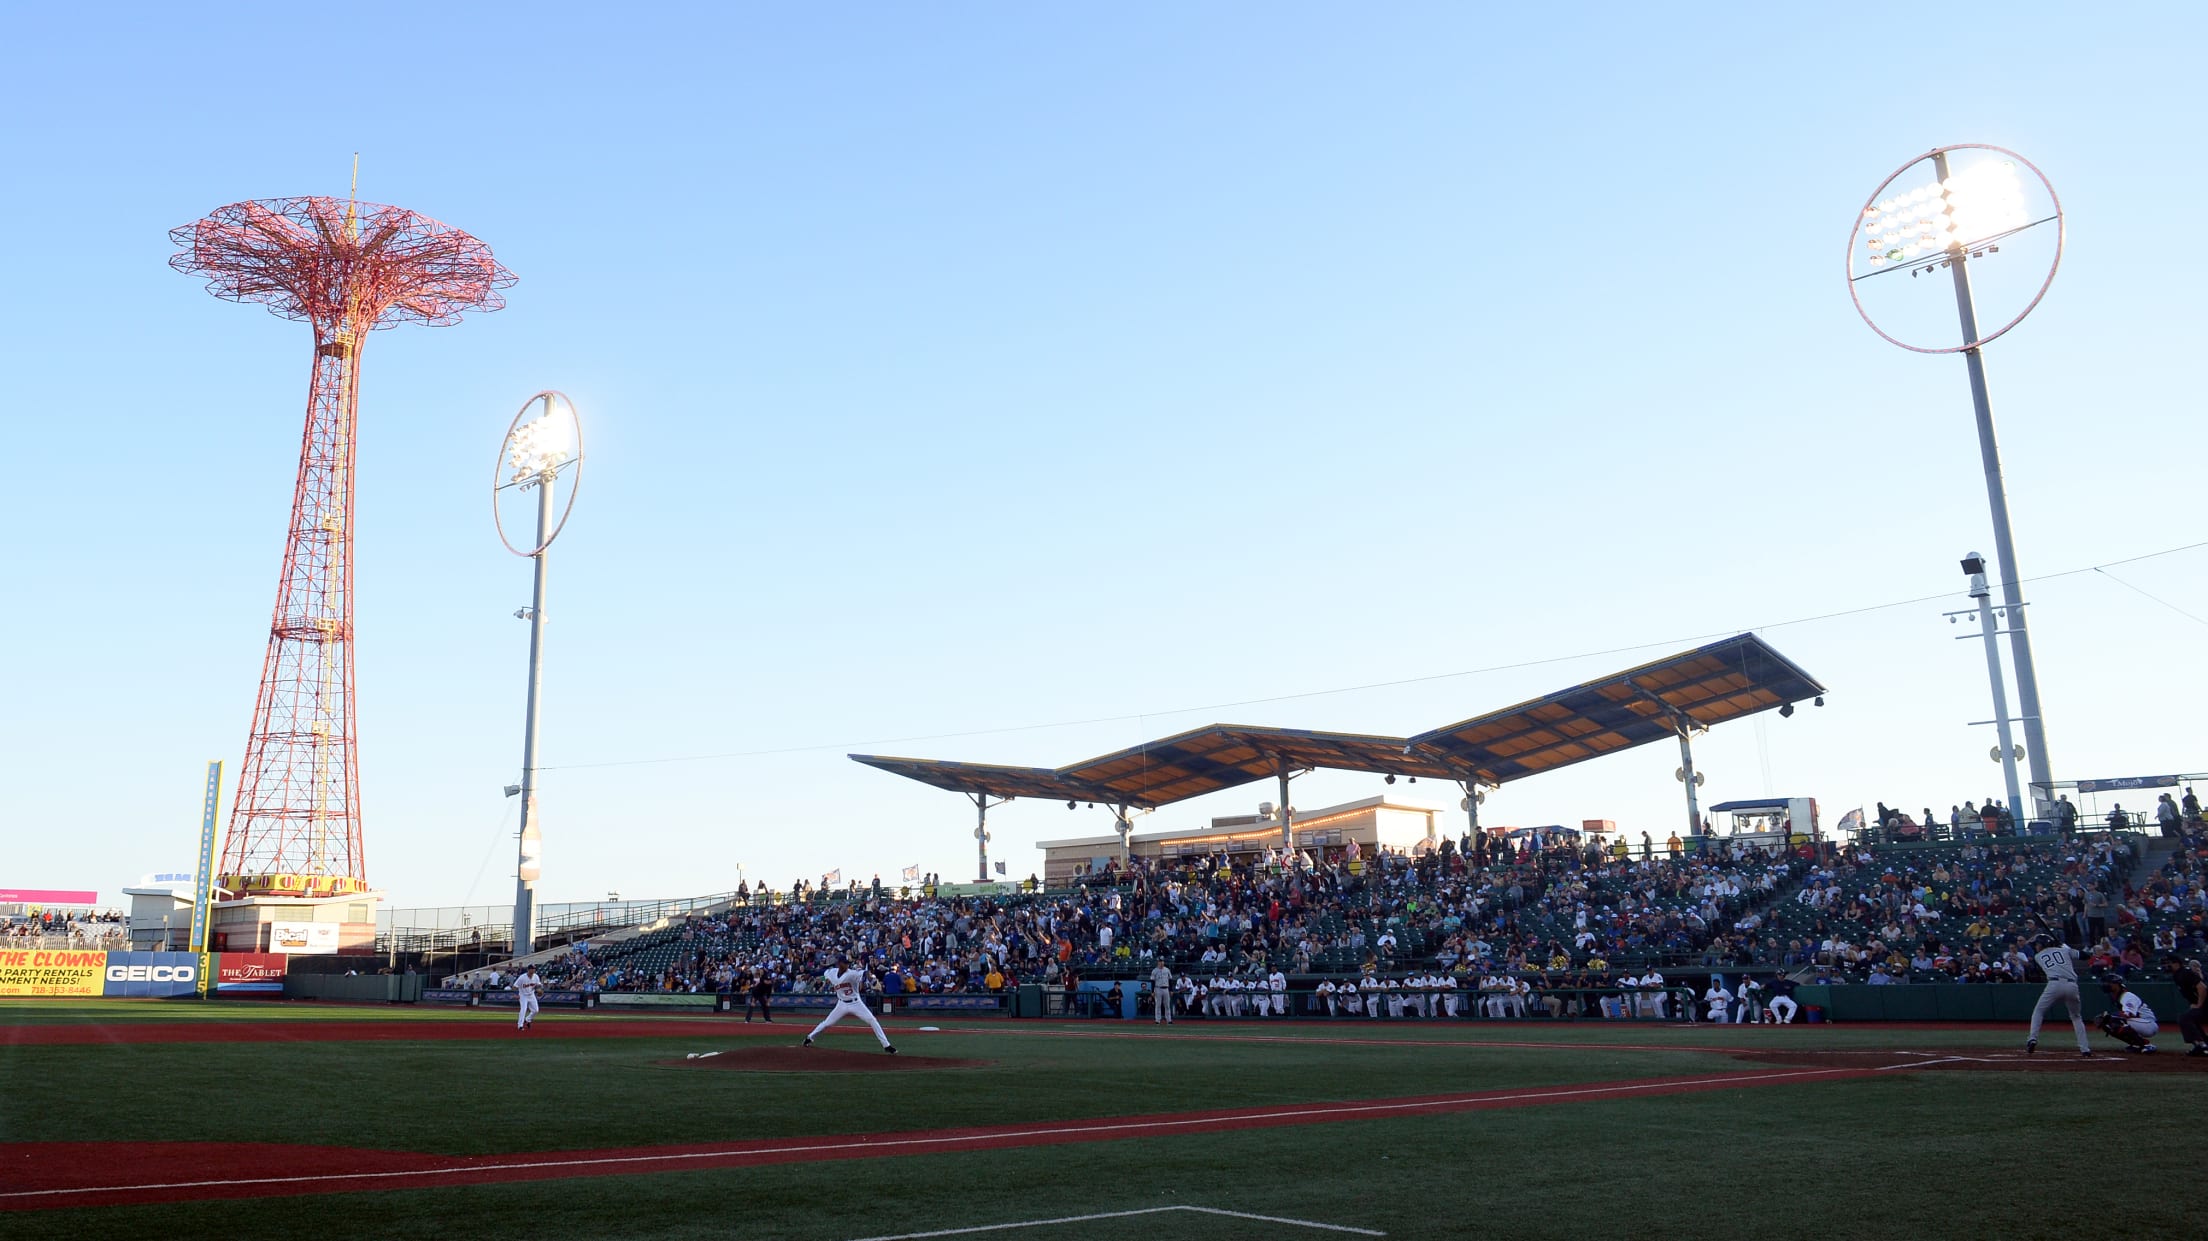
(73, 972)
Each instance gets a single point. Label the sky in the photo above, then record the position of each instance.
(1018, 383)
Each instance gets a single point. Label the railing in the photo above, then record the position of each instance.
(117, 940)
(1974, 831)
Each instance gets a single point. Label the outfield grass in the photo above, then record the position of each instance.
(1939, 1154)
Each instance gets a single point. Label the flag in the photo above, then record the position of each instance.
(1000, 868)
(832, 878)
(1852, 821)
(912, 873)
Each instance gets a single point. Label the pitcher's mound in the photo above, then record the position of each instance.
(818, 1059)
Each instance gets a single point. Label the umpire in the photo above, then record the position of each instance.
(757, 993)
(2191, 990)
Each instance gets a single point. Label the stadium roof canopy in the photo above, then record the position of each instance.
(985, 779)
(1206, 760)
(1710, 685)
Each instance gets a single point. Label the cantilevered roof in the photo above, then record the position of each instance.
(985, 779)
(1709, 685)
(1205, 760)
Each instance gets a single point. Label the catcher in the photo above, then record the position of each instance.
(2128, 1018)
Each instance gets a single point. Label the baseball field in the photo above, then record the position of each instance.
(138, 1118)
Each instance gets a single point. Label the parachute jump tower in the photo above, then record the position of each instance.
(346, 268)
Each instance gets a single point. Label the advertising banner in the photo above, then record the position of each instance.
(2118, 784)
(993, 1002)
(150, 975)
(52, 972)
(499, 999)
(303, 938)
(242, 973)
(67, 897)
(204, 878)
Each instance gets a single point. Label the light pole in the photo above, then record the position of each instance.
(544, 441)
(1966, 213)
(1975, 565)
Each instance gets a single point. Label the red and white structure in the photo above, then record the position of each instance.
(346, 268)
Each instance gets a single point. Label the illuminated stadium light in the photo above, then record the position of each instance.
(1969, 209)
(1976, 198)
(543, 445)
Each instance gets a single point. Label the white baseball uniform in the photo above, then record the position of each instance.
(2060, 964)
(525, 992)
(848, 1004)
(1719, 1000)
(1161, 995)
(2138, 1016)
(1745, 1010)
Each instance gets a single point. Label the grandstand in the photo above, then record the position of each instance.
(1564, 916)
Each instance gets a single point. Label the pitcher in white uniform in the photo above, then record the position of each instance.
(846, 981)
(2060, 963)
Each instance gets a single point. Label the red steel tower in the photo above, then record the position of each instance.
(346, 268)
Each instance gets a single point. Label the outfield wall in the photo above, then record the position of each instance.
(71, 972)
(1968, 1001)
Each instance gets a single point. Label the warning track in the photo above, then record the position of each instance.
(50, 1175)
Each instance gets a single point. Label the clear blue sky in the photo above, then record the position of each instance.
(969, 367)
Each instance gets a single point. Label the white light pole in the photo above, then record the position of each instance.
(2005, 754)
(1976, 201)
(544, 441)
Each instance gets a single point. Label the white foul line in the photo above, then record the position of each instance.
(1130, 1128)
(1078, 1219)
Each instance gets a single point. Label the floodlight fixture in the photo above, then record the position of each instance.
(1976, 199)
(542, 452)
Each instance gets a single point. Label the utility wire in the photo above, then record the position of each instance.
(2157, 598)
(1373, 685)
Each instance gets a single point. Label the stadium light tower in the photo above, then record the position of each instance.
(543, 444)
(346, 268)
(1973, 201)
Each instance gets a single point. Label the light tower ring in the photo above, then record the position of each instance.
(539, 451)
(1872, 204)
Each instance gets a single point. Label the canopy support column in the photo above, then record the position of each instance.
(1688, 777)
(1472, 813)
(1287, 816)
(1126, 829)
(982, 806)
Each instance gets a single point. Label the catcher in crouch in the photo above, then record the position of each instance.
(2128, 1018)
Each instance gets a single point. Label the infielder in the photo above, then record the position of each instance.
(525, 990)
(2060, 963)
(1161, 995)
(846, 983)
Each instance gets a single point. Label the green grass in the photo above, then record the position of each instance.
(1983, 1154)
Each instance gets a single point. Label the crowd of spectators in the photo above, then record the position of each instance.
(1548, 925)
(66, 928)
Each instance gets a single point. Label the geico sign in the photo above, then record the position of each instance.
(152, 973)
